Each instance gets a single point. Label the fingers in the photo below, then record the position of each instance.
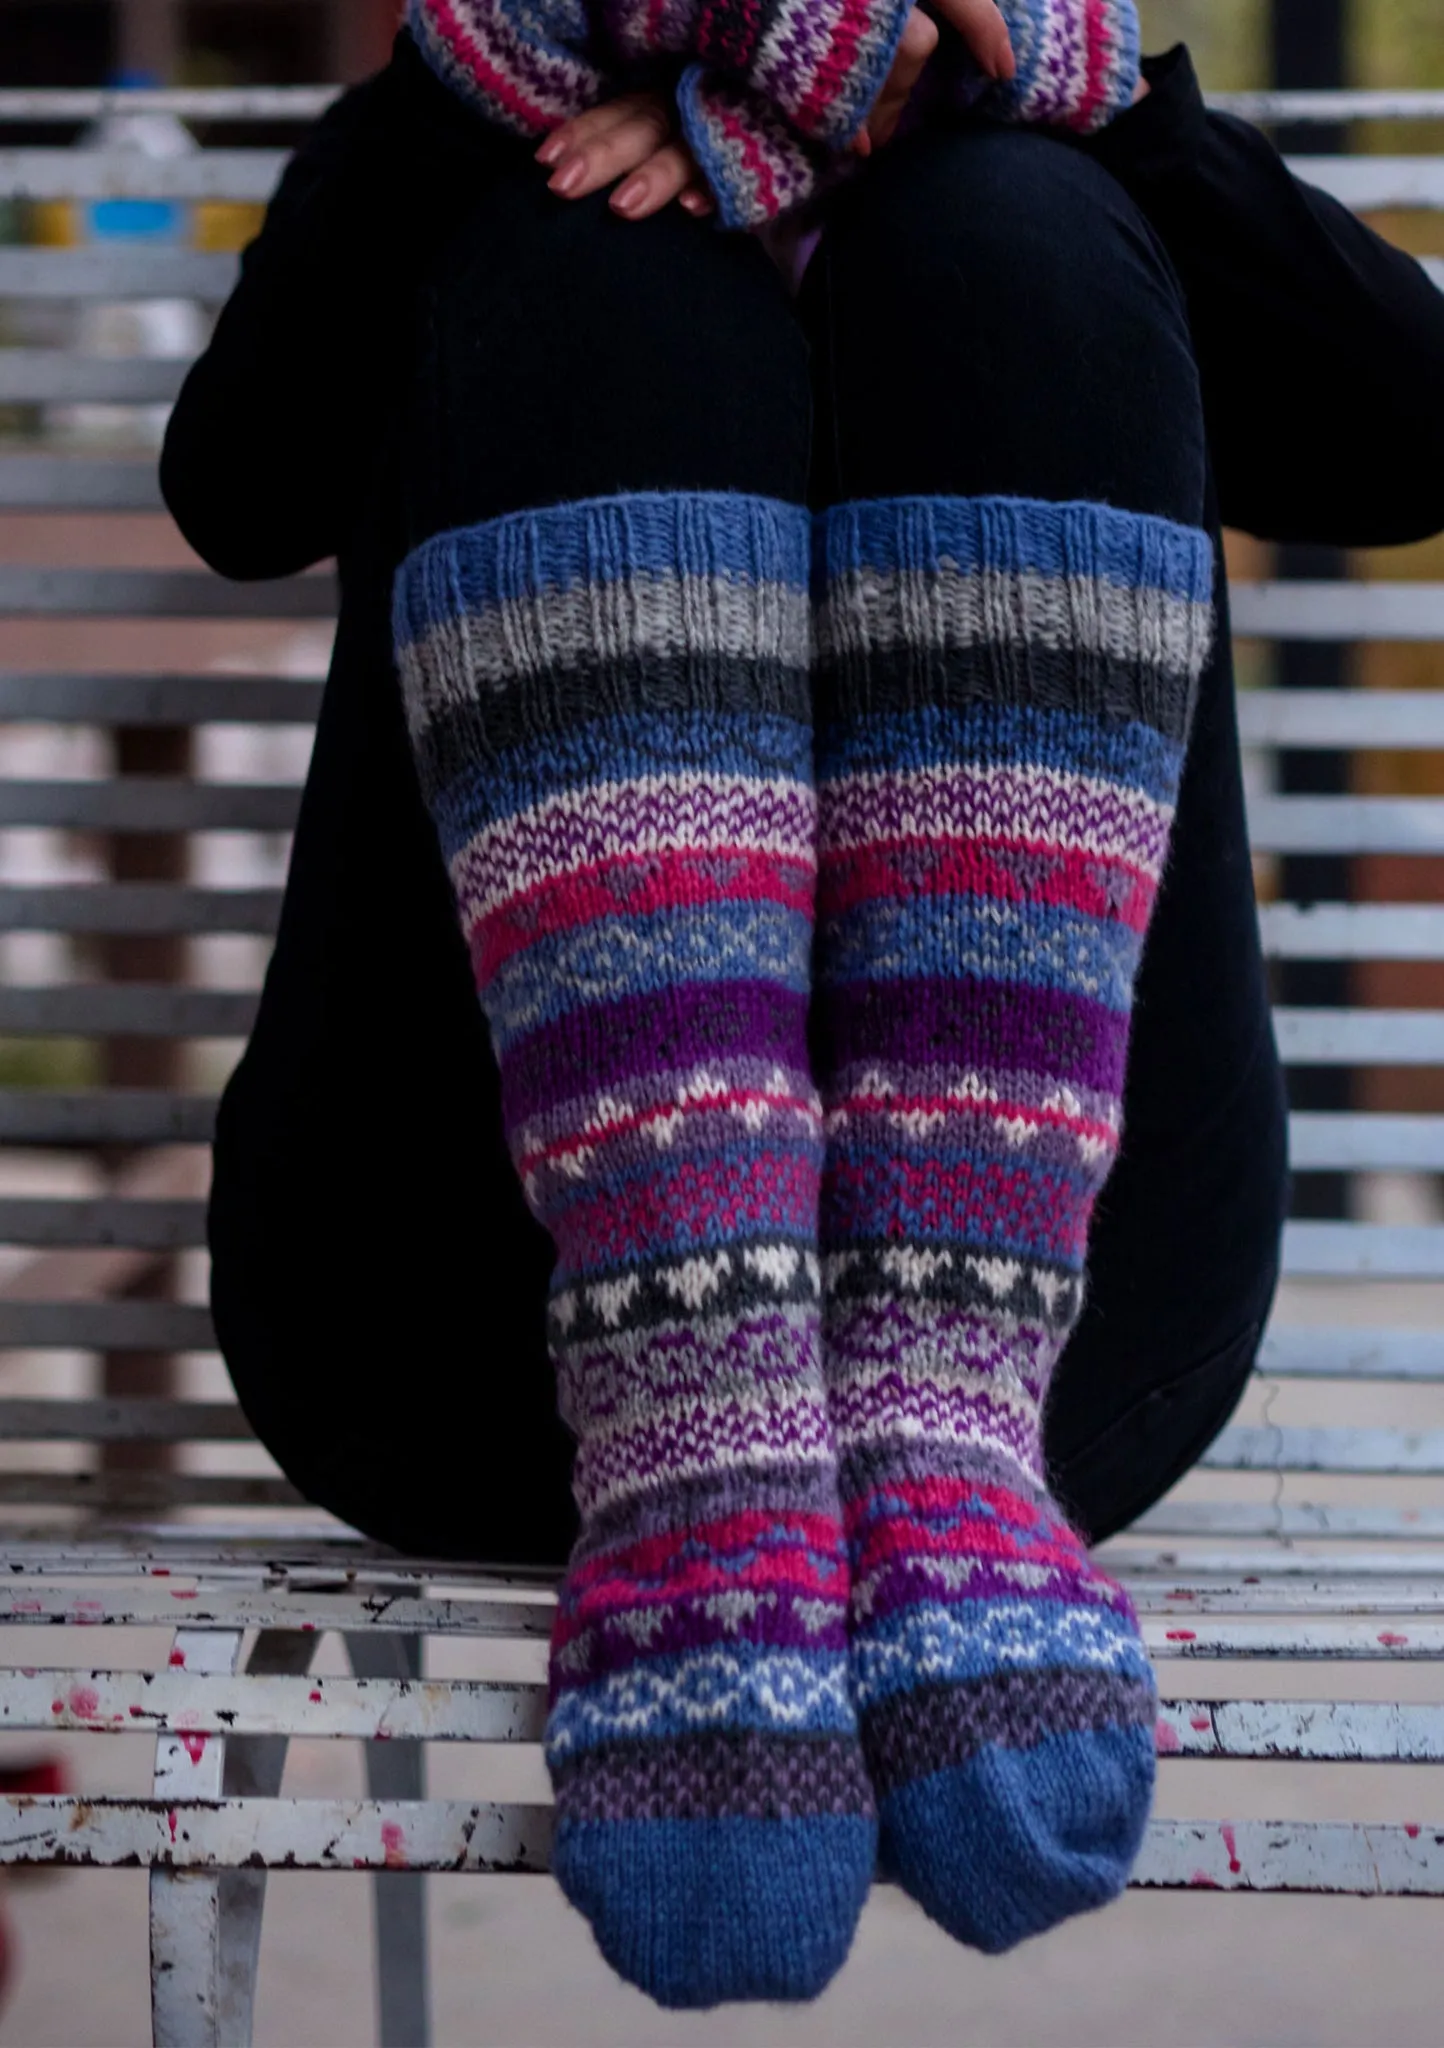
(605, 144)
(670, 173)
(985, 32)
(915, 48)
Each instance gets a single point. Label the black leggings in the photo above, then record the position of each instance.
(988, 314)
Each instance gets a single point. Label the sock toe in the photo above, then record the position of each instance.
(1010, 1843)
(702, 1912)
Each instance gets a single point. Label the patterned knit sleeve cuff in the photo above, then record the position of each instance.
(526, 68)
(757, 165)
(1078, 62)
(821, 63)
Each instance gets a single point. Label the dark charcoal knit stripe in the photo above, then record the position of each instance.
(1041, 678)
(939, 1727)
(534, 707)
(715, 1776)
(653, 1304)
(863, 1277)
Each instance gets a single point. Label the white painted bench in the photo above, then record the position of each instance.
(1324, 1549)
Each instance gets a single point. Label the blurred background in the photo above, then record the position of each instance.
(511, 1965)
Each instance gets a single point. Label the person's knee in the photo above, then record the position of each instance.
(568, 354)
(1002, 292)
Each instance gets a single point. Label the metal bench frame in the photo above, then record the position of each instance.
(245, 1607)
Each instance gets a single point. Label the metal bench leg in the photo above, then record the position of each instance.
(254, 1768)
(397, 1770)
(188, 2001)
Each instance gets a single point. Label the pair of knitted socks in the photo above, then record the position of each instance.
(706, 775)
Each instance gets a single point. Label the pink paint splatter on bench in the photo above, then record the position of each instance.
(1230, 1842)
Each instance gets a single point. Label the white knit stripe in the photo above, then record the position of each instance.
(603, 824)
(868, 611)
(1036, 807)
(662, 616)
(645, 1103)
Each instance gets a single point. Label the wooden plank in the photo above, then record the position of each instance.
(1352, 931)
(1334, 1352)
(63, 483)
(105, 1326)
(122, 1421)
(61, 377)
(132, 1010)
(178, 1701)
(1342, 718)
(1351, 1858)
(1416, 1453)
(164, 1605)
(1346, 824)
(292, 1834)
(1363, 1251)
(105, 1116)
(1338, 611)
(245, 175)
(1320, 1142)
(136, 803)
(1360, 1038)
(47, 1221)
(1312, 1731)
(131, 907)
(29, 592)
(159, 700)
(116, 272)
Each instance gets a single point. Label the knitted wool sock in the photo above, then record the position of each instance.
(609, 703)
(1004, 689)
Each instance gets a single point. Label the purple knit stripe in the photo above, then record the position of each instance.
(942, 1727)
(715, 1776)
(607, 1386)
(777, 1617)
(988, 1086)
(1045, 1148)
(987, 1023)
(611, 1044)
(971, 1421)
(948, 1349)
(916, 1580)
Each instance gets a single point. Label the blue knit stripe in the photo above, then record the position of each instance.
(1135, 756)
(738, 1686)
(601, 542)
(1135, 551)
(938, 1645)
(1027, 945)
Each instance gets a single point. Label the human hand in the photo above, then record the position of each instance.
(635, 139)
(982, 28)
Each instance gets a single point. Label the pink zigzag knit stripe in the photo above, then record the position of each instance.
(1098, 887)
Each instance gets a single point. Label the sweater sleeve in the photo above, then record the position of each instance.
(1320, 346)
(528, 65)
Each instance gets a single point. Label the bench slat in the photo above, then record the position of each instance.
(46, 1221)
(1343, 1143)
(1245, 1449)
(158, 594)
(1372, 184)
(171, 1701)
(158, 700)
(1352, 931)
(1346, 824)
(1342, 718)
(1356, 1859)
(1314, 1731)
(211, 1605)
(62, 483)
(150, 804)
(1335, 1352)
(1292, 1521)
(123, 1422)
(247, 175)
(130, 907)
(137, 1495)
(88, 1010)
(105, 1326)
(1364, 1251)
(36, 376)
(117, 272)
(1338, 611)
(1360, 1038)
(188, 103)
(103, 1116)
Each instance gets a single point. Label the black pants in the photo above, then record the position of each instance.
(988, 314)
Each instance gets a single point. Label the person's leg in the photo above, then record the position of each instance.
(1184, 1247)
(1013, 588)
(603, 633)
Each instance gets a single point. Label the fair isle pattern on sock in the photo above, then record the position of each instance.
(609, 706)
(1004, 690)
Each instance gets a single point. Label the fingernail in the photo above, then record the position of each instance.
(551, 149)
(693, 202)
(627, 198)
(568, 177)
